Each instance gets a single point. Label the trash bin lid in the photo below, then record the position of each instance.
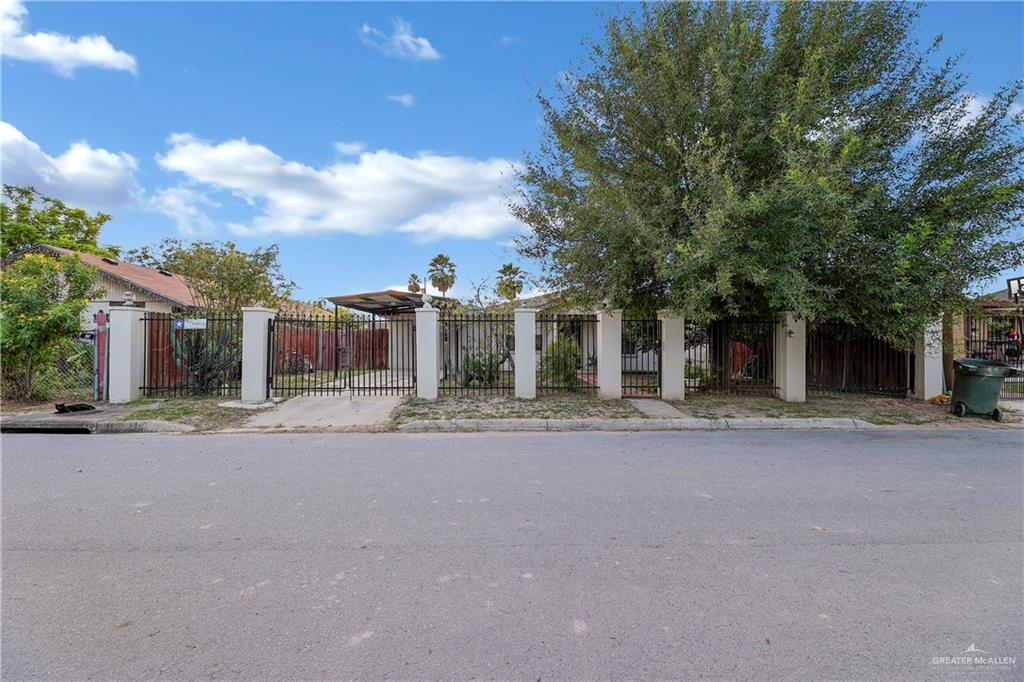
(988, 368)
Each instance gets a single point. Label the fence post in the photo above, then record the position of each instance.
(791, 358)
(525, 353)
(609, 353)
(673, 343)
(255, 354)
(928, 362)
(427, 353)
(127, 339)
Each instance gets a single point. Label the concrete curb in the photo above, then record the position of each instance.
(633, 424)
(93, 426)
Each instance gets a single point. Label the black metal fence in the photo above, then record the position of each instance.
(844, 359)
(997, 336)
(192, 356)
(566, 347)
(477, 353)
(641, 358)
(730, 356)
(335, 354)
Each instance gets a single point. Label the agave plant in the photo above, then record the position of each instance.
(206, 357)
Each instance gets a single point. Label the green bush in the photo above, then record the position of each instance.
(559, 364)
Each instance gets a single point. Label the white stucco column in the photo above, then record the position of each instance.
(427, 353)
(255, 354)
(928, 362)
(525, 353)
(127, 339)
(673, 340)
(791, 358)
(609, 353)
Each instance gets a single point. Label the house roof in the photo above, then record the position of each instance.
(160, 284)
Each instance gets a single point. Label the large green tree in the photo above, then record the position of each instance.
(43, 299)
(222, 278)
(27, 219)
(727, 158)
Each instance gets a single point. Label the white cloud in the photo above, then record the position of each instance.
(428, 196)
(62, 53)
(181, 204)
(401, 43)
(505, 41)
(349, 148)
(84, 176)
(405, 99)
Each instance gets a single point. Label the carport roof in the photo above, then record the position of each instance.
(378, 302)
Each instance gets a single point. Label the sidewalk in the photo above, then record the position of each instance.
(665, 424)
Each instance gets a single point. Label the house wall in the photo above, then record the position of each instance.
(112, 292)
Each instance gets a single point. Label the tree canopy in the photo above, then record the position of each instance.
(414, 285)
(737, 158)
(43, 299)
(27, 219)
(441, 273)
(220, 276)
(510, 283)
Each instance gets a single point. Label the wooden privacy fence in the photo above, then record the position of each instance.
(843, 359)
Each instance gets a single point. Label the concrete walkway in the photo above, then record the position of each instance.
(326, 413)
(658, 409)
(636, 424)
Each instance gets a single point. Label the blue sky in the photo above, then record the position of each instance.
(361, 138)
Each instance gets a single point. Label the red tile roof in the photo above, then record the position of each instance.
(170, 287)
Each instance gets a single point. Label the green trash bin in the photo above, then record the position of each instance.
(976, 386)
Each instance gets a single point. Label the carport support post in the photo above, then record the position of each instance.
(609, 353)
(127, 353)
(791, 358)
(426, 353)
(255, 354)
(928, 362)
(525, 353)
(673, 339)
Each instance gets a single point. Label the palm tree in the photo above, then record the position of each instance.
(441, 273)
(510, 283)
(414, 286)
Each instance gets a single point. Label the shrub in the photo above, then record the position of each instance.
(559, 363)
(482, 368)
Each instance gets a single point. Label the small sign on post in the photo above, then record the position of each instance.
(190, 323)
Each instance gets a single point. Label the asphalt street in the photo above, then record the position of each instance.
(878, 554)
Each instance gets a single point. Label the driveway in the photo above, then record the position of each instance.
(869, 555)
(324, 413)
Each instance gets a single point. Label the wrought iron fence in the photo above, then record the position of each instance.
(192, 355)
(844, 359)
(477, 353)
(734, 355)
(332, 354)
(566, 347)
(641, 358)
(998, 336)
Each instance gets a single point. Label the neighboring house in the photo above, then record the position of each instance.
(154, 290)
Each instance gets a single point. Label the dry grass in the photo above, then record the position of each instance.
(202, 414)
(875, 409)
(561, 406)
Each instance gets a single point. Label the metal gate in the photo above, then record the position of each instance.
(334, 355)
(641, 358)
(730, 356)
(998, 336)
(844, 359)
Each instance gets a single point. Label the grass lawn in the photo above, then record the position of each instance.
(559, 406)
(875, 409)
(203, 414)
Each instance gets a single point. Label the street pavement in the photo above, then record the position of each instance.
(873, 554)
